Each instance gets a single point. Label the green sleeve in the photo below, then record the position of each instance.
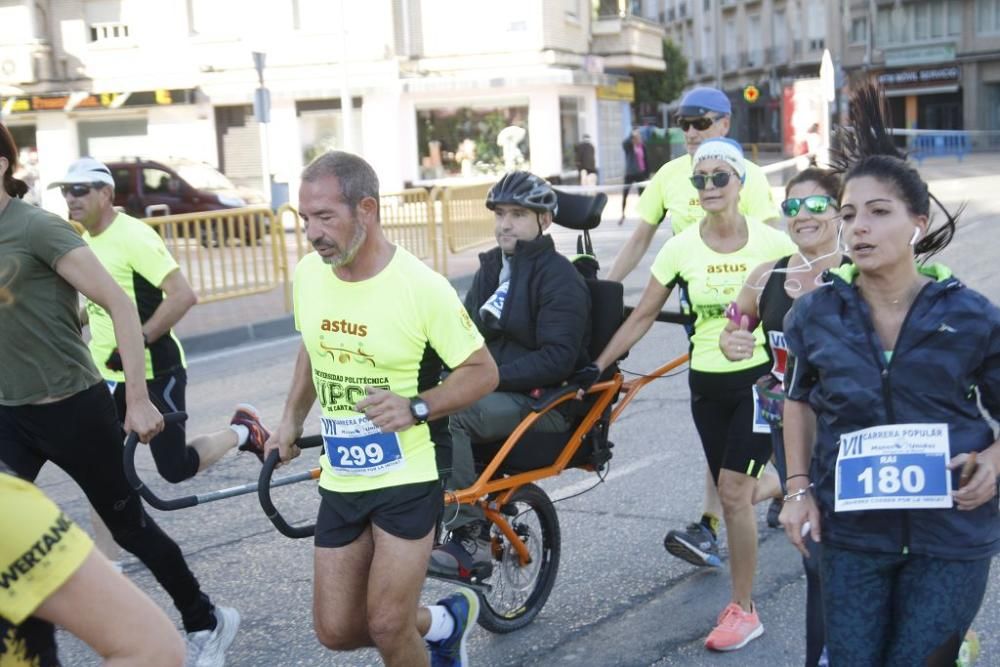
(149, 255)
(49, 237)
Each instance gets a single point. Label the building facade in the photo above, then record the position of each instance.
(939, 60)
(424, 89)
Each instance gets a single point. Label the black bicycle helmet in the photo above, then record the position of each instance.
(522, 188)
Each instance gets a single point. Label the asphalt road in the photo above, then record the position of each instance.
(619, 599)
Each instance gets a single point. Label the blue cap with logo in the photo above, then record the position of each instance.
(703, 100)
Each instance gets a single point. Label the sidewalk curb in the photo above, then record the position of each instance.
(280, 327)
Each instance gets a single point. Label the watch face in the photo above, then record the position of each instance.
(420, 409)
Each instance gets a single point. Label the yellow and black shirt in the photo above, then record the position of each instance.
(136, 257)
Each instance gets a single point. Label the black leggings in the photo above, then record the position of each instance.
(722, 408)
(175, 461)
(81, 434)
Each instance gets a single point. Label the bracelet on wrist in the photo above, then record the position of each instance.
(798, 496)
(801, 474)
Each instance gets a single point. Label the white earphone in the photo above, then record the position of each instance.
(916, 234)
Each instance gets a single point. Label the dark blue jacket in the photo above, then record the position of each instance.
(948, 346)
(543, 333)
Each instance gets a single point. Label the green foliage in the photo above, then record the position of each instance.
(666, 86)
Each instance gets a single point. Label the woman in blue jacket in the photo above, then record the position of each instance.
(890, 461)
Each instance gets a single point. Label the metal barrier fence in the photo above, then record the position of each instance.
(407, 219)
(465, 220)
(239, 252)
(229, 253)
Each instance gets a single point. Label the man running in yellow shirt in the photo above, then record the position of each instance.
(377, 324)
(704, 114)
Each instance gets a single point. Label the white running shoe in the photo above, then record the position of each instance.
(207, 648)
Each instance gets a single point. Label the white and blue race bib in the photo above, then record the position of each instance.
(356, 446)
(902, 466)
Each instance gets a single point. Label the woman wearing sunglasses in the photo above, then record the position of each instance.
(813, 224)
(55, 407)
(891, 461)
(713, 259)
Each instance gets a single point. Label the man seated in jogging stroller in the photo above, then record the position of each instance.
(532, 307)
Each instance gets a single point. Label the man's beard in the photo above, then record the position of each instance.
(345, 257)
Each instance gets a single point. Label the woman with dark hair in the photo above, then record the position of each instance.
(810, 210)
(54, 406)
(890, 460)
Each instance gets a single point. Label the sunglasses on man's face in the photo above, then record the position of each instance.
(79, 189)
(812, 203)
(701, 124)
(719, 179)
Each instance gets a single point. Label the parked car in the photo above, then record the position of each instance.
(149, 188)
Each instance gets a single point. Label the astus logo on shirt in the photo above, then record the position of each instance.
(343, 326)
(727, 268)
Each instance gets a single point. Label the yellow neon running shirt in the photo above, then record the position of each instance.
(40, 549)
(713, 281)
(670, 190)
(380, 332)
(136, 257)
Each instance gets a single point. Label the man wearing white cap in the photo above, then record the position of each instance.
(135, 255)
(704, 114)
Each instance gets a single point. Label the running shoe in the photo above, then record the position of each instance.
(247, 415)
(466, 555)
(451, 652)
(735, 630)
(696, 544)
(773, 512)
(207, 648)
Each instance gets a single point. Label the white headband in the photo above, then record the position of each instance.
(726, 150)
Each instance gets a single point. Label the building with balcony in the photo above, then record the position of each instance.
(421, 88)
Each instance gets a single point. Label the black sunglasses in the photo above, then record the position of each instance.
(79, 189)
(720, 179)
(812, 203)
(701, 124)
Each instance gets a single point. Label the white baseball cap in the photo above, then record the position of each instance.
(86, 170)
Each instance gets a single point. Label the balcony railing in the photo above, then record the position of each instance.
(628, 42)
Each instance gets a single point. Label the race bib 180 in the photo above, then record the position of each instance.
(355, 446)
(902, 466)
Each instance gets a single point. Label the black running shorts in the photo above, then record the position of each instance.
(409, 512)
(722, 406)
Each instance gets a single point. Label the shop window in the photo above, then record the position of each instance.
(570, 128)
(472, 141)
(321, 126)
